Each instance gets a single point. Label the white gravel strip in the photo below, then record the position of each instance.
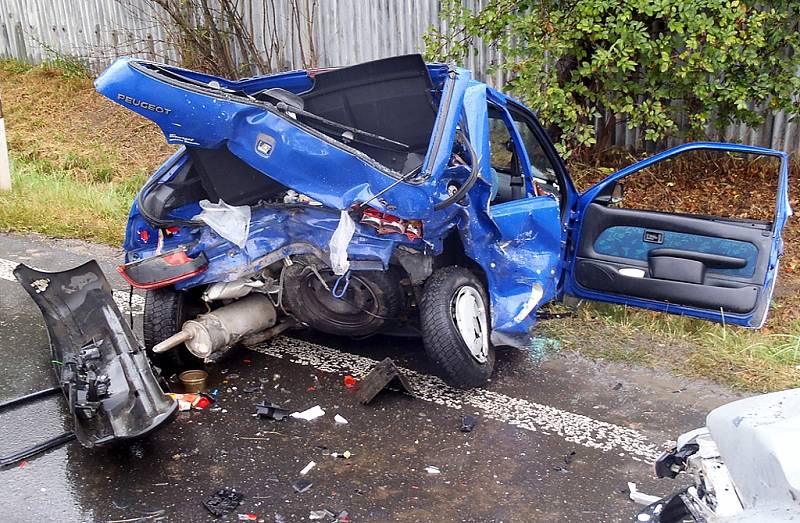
(521, 413)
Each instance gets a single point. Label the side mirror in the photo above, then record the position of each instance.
(617, 193)
(611, 194)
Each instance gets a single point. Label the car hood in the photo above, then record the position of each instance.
(757, 438)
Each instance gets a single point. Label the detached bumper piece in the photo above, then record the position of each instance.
(101, 367)
(165, 269)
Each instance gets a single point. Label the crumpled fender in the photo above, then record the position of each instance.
(101, 367)
(517, 244)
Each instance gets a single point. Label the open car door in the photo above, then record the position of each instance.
(714, 268)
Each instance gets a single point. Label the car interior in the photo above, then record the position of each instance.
(508, 176)
(687, 259)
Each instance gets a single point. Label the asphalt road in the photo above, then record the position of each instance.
(557, 438)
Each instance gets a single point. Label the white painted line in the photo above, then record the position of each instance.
(521, 413)
(120, 297)
(524, 414)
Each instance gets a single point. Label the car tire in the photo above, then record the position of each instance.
(312, 304)
(453, 301)
(165, 311)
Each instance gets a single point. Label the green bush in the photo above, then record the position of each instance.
(654, 63)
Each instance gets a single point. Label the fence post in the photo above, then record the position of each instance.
(5, 169)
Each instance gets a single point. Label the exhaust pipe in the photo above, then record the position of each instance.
(223, 327)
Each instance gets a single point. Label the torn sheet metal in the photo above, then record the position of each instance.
(101, 367)
(518, 244)
(384, 375)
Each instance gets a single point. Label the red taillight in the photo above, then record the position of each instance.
(144, 235)
(388, 224)
(176, 258)
(163, 270)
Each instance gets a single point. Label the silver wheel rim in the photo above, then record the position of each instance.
(469, 315)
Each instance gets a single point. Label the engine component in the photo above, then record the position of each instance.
(223, 327)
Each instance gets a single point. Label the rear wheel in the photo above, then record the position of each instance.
(454, 313)
(372, 300)
(165, 311)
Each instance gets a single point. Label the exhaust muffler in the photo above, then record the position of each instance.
(223, 327)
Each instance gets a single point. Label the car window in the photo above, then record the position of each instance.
(500, 144)
(541, 166)
(507, 176)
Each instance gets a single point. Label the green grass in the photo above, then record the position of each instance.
(741, 358)
(48, 200)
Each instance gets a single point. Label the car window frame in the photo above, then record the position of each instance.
(519, 145)
(562, 174)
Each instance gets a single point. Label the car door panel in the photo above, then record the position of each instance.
(628, 241)
(686, 262)
(714, 268)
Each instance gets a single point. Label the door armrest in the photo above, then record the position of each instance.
(711, 261)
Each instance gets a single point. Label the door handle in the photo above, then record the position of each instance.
(712, 261)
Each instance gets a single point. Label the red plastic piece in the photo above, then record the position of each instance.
(350, 381)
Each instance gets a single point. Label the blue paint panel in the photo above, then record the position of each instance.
(628, 242)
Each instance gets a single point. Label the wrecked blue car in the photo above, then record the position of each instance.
(397, 196)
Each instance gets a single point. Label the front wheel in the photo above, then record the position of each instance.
(454, 313)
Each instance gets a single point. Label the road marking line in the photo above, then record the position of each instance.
(120, 297)
(574, 428)
(524, 414)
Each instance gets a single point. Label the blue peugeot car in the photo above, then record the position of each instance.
(397, 196)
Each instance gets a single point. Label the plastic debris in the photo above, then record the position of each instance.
(430, 469)
(271, 411)
(247, 517)
(301, 485)
(229, 221)
(190, 401)
(340, 419)
(307, 468)
(320, 514)
(468, 423)
(384, 375)
(345, 455)
(339, 241)
(343, 517)
(309, 414)
(223, 501)
(350, 381)
(640, 497)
